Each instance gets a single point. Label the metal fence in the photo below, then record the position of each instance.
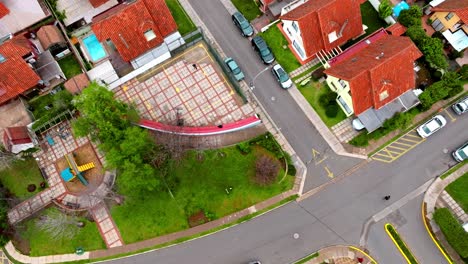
(196, 36)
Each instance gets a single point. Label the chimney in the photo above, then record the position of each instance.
(379, 56)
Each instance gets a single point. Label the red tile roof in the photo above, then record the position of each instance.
(125, 25)
(16, 76)
(396, 29)
(76, 84)
(97, 3)
(318, 18)
(384, 65)
(459, 7)
(3, 10)
(15, 136)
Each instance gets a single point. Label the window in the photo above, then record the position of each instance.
(383, 95)
(149, 34)
(449, 16)
(437, 25)
(343, 84)
(332, 37)
(289, 31)
(2, 59)
(345, 106)
(299, 49)
(294, 25)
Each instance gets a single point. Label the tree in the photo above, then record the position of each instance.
(266, 170)
(416, 34)
(385, 9)
(432, 48)
(6, 158)
(464, 72)
(58, 225)
(410, 17)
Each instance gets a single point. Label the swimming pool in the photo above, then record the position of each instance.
(94, 48)
(401, 6)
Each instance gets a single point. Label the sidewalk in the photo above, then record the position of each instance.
(341, 255)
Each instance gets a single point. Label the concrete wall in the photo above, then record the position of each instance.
(294, 36)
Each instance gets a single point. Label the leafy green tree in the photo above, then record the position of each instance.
(410, 17)
(464, 72)
(432, 49)
(385, 9)
(416, 34)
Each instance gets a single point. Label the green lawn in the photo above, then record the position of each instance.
(279, 46)
(248, 8)
(42, 243)
(371, 19)
(201, 186)
(312, 92)
(459, 191)
(70, 66)
(183, 21)
(19, 176)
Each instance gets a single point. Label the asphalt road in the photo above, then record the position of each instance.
(282, 108)
(337, 213)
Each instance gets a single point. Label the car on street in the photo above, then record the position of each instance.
(431, 126)
(461, 106)
(234, 69)
(260, 46)
(242, 24)
(281, 76)
(461, 153)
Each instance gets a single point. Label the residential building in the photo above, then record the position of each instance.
(311, 26)
(80, 12)
(17, 139)
(17, 15)
(374, 79)
(140, 31)
(451, 18)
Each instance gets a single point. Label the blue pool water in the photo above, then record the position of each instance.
(94, 48)
(401, 6)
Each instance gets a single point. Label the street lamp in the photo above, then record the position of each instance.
(251, 84)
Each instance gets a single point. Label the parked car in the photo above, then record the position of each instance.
(461, 153)
(234, 68)
(243, 24)
(431, 126)
(461, 106)
(357, 124)
(281, 76)
(260, 46)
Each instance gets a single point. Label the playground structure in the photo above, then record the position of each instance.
(74, 170)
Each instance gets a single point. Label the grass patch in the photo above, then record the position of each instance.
(201, 181)
(400, 244)
(41, 242)
(279, 47)
(312, 92)
(459, 191)
(304, 260)
(70, 66)
(453, 231)
(307, 72)
(453, 169)
(370, 18)
(248, 8)
(17, 178)
(184, 23)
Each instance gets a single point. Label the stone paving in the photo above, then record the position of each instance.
(344, 130)
(456, 209)
(106, 226)
(194, 91)
(304, 68)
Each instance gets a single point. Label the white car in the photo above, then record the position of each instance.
(281, 76)
(461, 153)
(461, 106)
(431, 126)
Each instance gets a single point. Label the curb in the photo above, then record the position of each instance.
(398, 246)
(423, 211)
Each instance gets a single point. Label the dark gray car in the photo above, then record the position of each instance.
(241, 22)
(260, 46)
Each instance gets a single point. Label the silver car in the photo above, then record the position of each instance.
(461, 106)
(431, 126)
(461, 153)
(281, 76)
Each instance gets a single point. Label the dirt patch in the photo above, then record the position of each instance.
(22, 245)
(94, 176)
(198, 219)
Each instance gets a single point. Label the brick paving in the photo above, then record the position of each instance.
(106, 225)
(456, 209)
(177, 90)
(344, 130)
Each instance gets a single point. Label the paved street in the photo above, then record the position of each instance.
(295, 126)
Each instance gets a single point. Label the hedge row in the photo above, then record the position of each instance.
(453, 231)
(449, 86)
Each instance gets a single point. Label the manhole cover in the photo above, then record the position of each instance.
(445, 150)
(273, 98)
(296, 236)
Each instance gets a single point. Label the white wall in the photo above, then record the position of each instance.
(23, 13)
(294, 35)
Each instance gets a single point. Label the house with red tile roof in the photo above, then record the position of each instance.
(451, 18)
(17, 139)
(374, 79)
(18, 15)
(80, 12)
(311, 26)
(16, 75)
(141, 31)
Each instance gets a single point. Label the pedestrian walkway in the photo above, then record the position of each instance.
(17, 256)
(341, 255)
(344, 130)
(3, 258)
(109, 231)
(456, 209)
(399, 147)
(304, 68)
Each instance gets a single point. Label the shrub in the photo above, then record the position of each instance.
(464, 72)
(268, 142)
(455, 54)
(453, 231)
(327, 99)
(410, 17)
(399, 121)
(291, 170)
(416, 34)
(266, 170)
(361, 140)
(244, 147)
(331, 110)
(385, 9)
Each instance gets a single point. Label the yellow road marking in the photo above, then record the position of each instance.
(382, 160)
(382, 154)
(329, 173)
(392, 146)
(320, 161)
(413, 135)
(315, 153)
(404, 144)
(398, 246)
(410, 140)
(450, 115)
